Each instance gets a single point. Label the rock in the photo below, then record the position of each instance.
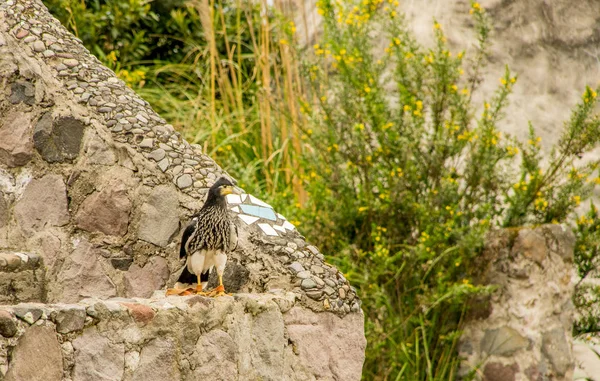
(10, 261)
(8, 327)
(556, 348)
(16, 146)
(70, 62)
(43, 204)
(106, 211)
(36, 357)
(185, 181)
(140, 313)
(159, 216)
(98, 152)
(531, 244)
(122, 264)
(296, 267)
(157, 362)
(216, 356)
(560, 240)
(157, 155)
(306, 329)
(58, 140)
(3, 211)
(69, 320)
(39, 46)
(22, 91)
(503, 341)
(28, 313)
(308, 284)
(96, 358)
(82, 276)
(303, 274)
(142, 282)
(498, 372)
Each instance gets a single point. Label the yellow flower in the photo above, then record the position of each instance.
(406, 108)
(454, 88)
(476, 6)
(393, 14)
(503, 81)
(396, 41)
(367, 89)
(577, 200)
(486, 105)
(342, 52)
(323, 98)
(419, 105)
(436, 25)
(283, 41)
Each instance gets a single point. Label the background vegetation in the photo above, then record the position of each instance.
(375, 149)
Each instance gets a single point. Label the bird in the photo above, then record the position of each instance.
(207, 240)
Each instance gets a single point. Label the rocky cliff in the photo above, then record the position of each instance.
(94, 189)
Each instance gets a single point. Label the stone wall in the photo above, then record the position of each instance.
(246, 337)
(523, 332)
(98, 185)
(95, 188)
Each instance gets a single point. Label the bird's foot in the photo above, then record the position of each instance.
(180, 291)
(198, 291)
(218, 291)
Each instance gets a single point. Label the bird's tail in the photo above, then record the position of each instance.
(189, 278)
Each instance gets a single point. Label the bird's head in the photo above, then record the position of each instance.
(221, 188)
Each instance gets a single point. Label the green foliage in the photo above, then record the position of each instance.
(377, 151)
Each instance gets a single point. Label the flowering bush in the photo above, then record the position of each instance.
(408, 174)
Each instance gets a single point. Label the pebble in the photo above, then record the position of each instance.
(147, 143)
(163, 164)
(308, 284)
(342, 293)
(296, 267)
(71, 62)
(157, 154)
(104, 109)
(39, 46)
(303, 274)
(315, 294)
(328, 290)
(184, 181)
(22, 33)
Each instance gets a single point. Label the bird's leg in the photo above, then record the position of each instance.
(220, 260)
(199, 287)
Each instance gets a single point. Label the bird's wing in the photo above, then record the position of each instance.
(233, 236)
(187, 234)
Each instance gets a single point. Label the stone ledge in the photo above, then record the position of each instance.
(241, 337)
(15, 261)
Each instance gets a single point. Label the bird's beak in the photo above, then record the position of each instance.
(226, 190)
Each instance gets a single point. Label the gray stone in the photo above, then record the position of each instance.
(157, 362)
(147, 143)
(8, 327)
(36, 357)
(216, 356)
(69, 320)
(28, 313)
(58, 140)
(22, 91)
(142, 282)
(106, 211)
(342, 293)
(82, 275)
(314, 294)
(157, 155)
(98, 152)
(531, 244)
(43, 204)
(328, 290)
(185, 181)
(70, 62)
(503, 341)
(96, 358)
(122, 264)
(163, 164)
(303, 274)
(308, 284)
(3, 211)
(159, 216)
(16, 146)
(307, 330)
(499, 372)
(39, 46)
(556, 348)
(296, 267)
(317, 269)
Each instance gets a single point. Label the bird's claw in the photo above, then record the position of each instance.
(218, 291)
(180, 291)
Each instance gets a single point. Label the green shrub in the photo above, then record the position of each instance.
(408, 175)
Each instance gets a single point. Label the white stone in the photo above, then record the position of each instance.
(279, 228)
(268, 229)
(233, 199)
(248, 219)
(235, 209)
(256, 201)
(288, 226)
